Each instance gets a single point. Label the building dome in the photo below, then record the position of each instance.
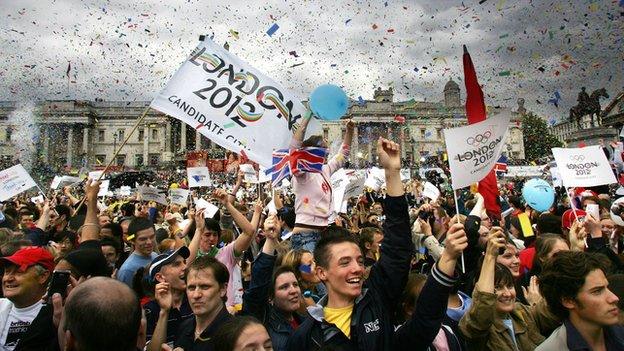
(451, 86)
(451, 94)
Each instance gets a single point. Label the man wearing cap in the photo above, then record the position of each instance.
(25, 320)
(142, 234)
(169, 268)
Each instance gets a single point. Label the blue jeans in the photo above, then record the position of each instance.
(305, 240)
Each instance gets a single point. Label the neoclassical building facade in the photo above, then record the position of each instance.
(75, 133)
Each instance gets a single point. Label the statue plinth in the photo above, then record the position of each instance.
(592, 136)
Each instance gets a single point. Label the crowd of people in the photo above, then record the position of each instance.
(396, 271)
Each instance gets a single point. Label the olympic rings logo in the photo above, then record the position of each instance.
(479, 139)
(577, 158)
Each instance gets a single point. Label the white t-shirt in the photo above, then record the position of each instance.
(17, 324)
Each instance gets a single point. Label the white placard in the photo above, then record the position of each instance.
(210, 210)
(37, 199)
(431, 191)
(95, 175)
(125, 190)
(556, 176)
(13, 181)
(233, 104)
(61, 181)
(153, 194)
(178, 196)
(376, 179)
(339, 181)
(104, 184)
(356, 185)
(198, 176)
(249, 173)
(583, 167)
(474, 149)
(405, 174)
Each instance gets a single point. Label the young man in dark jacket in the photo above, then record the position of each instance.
(358, 316)
(273, 300)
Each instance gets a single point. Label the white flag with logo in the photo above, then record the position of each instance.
(339, 181)
(14, 181)
(148, 193)
(431, 191)
(474, 149)
(586, 166)
(233, 104)
(198, 176)
(178, 196)
(62, 181)
(376, 178)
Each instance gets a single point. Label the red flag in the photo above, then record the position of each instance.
(475, 112)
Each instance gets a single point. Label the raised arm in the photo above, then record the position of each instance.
(200, 225)
(248, 230)
(420, 331)
(300, 132)
(256, 297)
(340, 158)
(477, 321)
(389, 275)
(91, 226)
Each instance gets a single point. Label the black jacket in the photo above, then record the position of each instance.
(256, 303)
(372, 326)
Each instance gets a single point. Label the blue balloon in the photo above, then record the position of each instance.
(329, 102)
(538, 194)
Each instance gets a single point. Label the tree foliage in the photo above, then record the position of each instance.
(537, 138)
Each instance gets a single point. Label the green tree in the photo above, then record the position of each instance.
(537, 138)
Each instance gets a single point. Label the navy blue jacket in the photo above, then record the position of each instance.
(372, 325)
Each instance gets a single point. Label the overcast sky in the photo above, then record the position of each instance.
(127, 50)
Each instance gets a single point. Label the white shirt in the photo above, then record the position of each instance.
(17, 324)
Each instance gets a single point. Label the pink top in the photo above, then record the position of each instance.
(313, 192)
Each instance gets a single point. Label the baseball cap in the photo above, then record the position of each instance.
(166, 258)
(569, 217)
(30, 256)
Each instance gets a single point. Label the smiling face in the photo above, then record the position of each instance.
(594, 304)
(23, 288)
(173, 273)
(510, 259)
(505, 298)
(144, 241)
(287, 293)
(344, 275)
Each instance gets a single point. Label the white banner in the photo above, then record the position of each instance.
(431, 191)
(232, 103)
(587, 166)
(474, 149)
(376, 178)
(95, 175)
(339, 181)
(14, 181)
(356, 185)
(198, 176)
(62, 181)
(104, 185)
(178, 196)
(153, 194)
(556, 176)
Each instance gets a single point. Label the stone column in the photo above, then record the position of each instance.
(85, 145)
(146, 145)
(168, 136)
(183, 136)
(70, 146)
(163, 140)
(355, 145)
(197, 140)
(46, 143)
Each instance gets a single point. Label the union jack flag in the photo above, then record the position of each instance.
(287, 163)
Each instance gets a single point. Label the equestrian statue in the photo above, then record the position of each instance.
(588, 105)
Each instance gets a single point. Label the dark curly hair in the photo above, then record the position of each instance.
(564, 275)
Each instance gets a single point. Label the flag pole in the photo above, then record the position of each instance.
(463, 265)
(136, 125)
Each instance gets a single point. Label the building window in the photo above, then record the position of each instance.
(138, 160)
(439, 133)
(121, 134)
(101, 135)
(154, 159)
(422, 133)
(154, 134)
(326, 133)
(9, 131)
(141, 137)
(100, 159)
(121, 160)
